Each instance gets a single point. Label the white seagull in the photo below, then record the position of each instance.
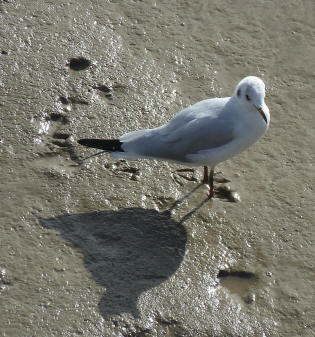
(203, 134)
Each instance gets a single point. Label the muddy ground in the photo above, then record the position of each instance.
(108, 247)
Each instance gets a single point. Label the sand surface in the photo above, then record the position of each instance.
(134, 248)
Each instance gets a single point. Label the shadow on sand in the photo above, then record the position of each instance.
(127, 251)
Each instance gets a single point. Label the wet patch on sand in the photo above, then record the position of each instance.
(239, 282)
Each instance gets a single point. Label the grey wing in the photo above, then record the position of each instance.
(200, 134)
(176, 144)
(193, 129)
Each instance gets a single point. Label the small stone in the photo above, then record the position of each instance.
(249, 299)
(235, 197)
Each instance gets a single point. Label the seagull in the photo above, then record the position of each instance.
(203, 134)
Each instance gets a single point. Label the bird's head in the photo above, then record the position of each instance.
(250, 92)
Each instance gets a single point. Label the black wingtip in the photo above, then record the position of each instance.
(111, 145)
(84, 142)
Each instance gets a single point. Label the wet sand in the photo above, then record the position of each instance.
(134, 248)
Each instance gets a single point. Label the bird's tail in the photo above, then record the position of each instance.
(111, 145)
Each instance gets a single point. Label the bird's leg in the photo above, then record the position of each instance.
(211, 191)
(205, 175)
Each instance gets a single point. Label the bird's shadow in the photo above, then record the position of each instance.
(127, 251)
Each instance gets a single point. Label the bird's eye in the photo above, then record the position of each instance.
(247, 97)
